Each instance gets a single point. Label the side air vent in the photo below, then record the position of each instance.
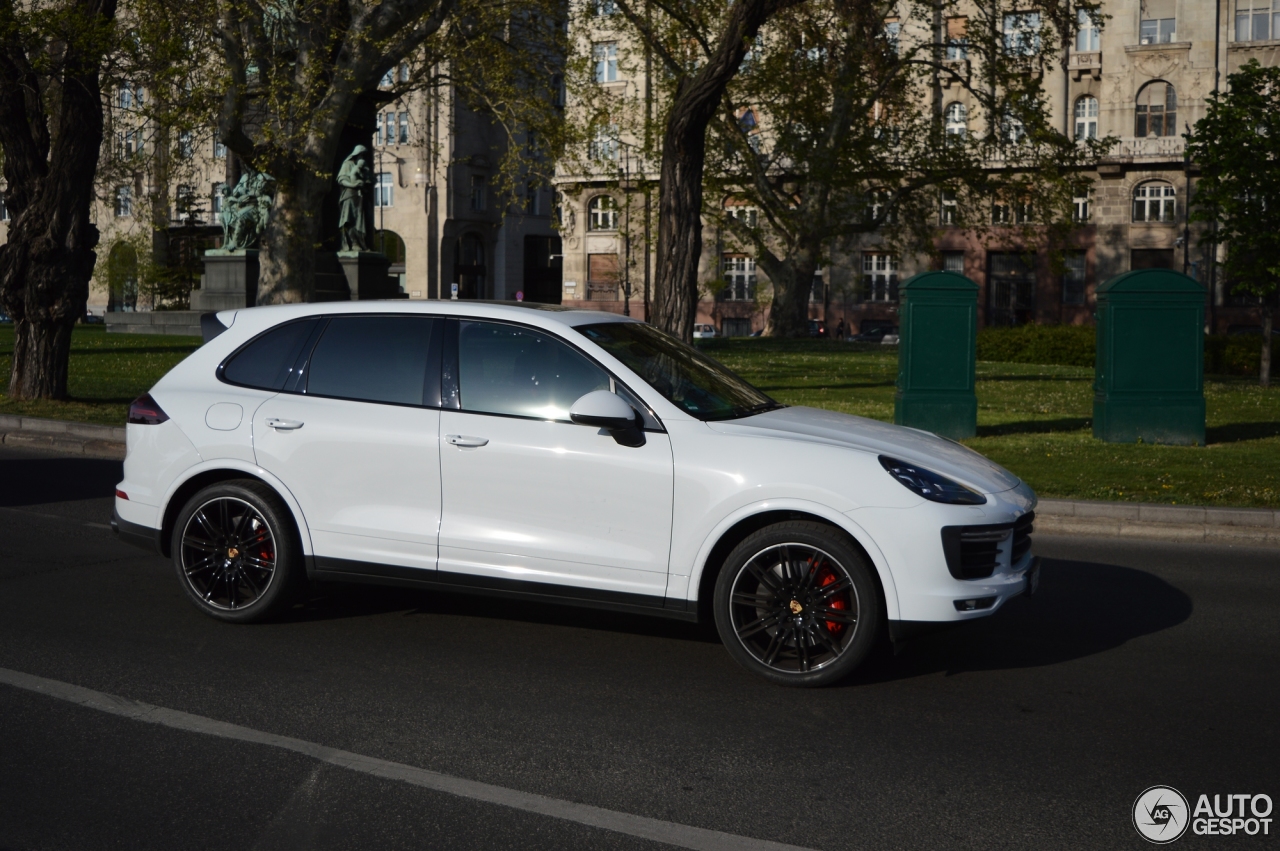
(973, 551)
(1022, 529)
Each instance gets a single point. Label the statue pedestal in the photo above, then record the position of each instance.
(230, 281)
(354, 276)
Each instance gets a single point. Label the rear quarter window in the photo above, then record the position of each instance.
(264, 362)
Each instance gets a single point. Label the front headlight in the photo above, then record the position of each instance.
(929, 484)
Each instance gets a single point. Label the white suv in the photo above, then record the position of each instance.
(566, 456)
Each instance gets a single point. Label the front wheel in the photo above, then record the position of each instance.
(236, 551)
(796, 603)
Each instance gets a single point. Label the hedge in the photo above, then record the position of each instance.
(1074, 345)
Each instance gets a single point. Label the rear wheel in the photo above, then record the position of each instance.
(236, 551)
(796, 603)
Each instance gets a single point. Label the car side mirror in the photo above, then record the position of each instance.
(608, 411)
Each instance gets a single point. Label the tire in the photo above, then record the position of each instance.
(797, 604)
(236, 552)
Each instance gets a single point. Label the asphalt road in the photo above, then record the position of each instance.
(1137, 664)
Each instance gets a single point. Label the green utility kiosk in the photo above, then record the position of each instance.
(936, 351)
(1149, 371)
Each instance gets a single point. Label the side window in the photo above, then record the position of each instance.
(372, 359)
(504, 369)
(265, 362)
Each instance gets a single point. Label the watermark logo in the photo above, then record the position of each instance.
(1160, 814)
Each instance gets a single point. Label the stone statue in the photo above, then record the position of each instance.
(356, 179)
(245, 209)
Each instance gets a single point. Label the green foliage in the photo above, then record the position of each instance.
(1063, 345)
(1235, 354)
(1237, 145)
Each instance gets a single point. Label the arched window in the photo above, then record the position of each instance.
(1155, 201)
(602, 213)
(1087, 118)
(1157, 111)
(957, 120)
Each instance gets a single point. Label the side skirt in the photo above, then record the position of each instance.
(344, 570)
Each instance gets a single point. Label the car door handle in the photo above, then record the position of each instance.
(463, 440)
(282, 425)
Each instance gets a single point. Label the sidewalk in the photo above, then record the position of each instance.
(1251, 527)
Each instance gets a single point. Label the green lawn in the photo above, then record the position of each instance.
(1035, 420)
(108, 371)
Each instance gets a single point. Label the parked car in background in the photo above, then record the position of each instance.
(4, 318)
(874, 332)
(557, 455)
(90, 318)
(817, 328)
(889, 339)
(703, 331)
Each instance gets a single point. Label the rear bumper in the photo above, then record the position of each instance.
(135, 533)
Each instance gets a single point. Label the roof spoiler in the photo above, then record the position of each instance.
(210, 326)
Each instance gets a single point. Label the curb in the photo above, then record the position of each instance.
(1183, 524)
(71, 438)
(1187, 524)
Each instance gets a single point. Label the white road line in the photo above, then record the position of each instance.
(679, 835)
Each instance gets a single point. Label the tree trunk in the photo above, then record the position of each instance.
(1264, 376)
(51, 152)
(792, 284)
(696, 102)
(288, 260)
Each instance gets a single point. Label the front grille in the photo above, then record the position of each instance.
(1022, 529)
(973, 552)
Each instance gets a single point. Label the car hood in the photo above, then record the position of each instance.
(935, 453)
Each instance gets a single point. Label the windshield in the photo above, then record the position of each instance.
(688, 379)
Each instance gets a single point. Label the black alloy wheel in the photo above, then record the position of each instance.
(795, 603)
(235, 550)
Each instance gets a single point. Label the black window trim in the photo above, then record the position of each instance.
(450, 365)
(295, 383)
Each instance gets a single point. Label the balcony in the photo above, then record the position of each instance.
(1080, 65)
(1150, 148)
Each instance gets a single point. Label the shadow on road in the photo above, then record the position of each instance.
(33, 481)
(1082, 608)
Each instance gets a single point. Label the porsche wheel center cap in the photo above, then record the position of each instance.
(796, 608)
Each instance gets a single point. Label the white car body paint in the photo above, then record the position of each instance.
(566, 529)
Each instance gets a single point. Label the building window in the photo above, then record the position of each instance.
(124, 201)
(957, 39)
(1088, 33)
(377, 132)
(1158, 27)
(893, 33)
(747, 216)
(605, 57)
(4, 209)
(403, 138)
(604, 8)
(1022, 33)
(219, 192)
(953, 261)
(740, 278)
(602, 213)
(130, 96)
(1011, 289)
(957, 120)
(1257, 20)
(879, 277)
(1012, 128)
(383, 189)
(1157, 111)
(533, 198)
(186, 148)
(1073, 278)
(949, 214)
(219, 149)
(390, 122)
(1001, 213)
(605, 144)
(1155, 201)
(479, 193)
(1080, 205)
(1086, 118)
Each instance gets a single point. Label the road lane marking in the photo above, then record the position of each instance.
(670, 833)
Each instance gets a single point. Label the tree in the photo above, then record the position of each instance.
(701, 46)
(304, 79)
(838, 126)
(51, 58)
(1237, 145)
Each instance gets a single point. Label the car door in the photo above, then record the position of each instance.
(530, 497)
(357, 446)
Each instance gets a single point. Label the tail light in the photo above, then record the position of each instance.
(145, 411)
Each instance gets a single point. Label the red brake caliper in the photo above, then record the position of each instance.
(825, 578)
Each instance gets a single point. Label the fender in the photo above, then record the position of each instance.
(304, 532)
(835, 518)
